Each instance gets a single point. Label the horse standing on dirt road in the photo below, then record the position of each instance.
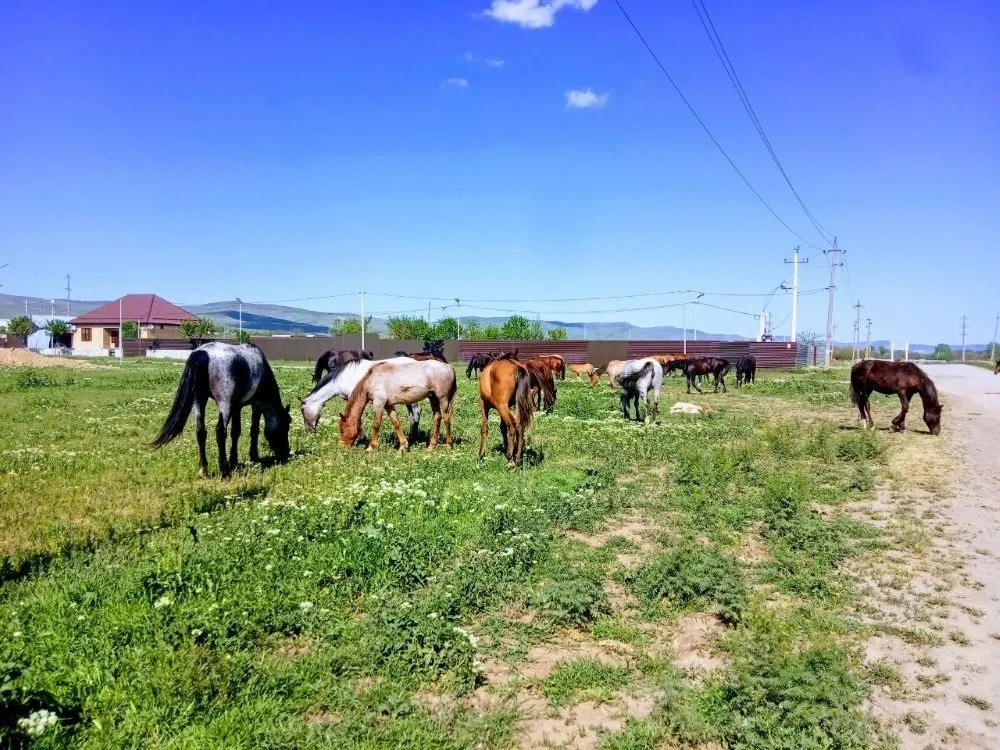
(401, 381)
(505, 385)
(333, 357)
(904, 379)
(234, 376)
(641, 378)
(340, 381)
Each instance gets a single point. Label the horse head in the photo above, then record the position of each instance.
(932, 418)
(349, 431)
(277, 434)
(996, 370)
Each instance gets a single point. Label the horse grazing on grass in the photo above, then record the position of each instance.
(340, 381)
(586, 370)
(400, 381)
(641, 378)
(746, 370)
(234, 376)
(505, 385)
(702, 366)
(902, 378)
(555, 363)
(613, 368)
(477, 364)
(543, 382)
(333, 357)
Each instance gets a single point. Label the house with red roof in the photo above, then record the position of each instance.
(156, 317)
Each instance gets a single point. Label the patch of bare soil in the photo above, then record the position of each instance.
(27, 358)
(934, 596)
(581, 726)
(693, 643)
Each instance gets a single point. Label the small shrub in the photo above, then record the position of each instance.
(570, 600)
(862, 445)
(31, 377)
(585, 678)
(692, 576)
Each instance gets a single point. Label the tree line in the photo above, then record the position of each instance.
(515, 328)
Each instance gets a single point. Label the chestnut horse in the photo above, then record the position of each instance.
(543, 382)
(400, 381)
(555, 363)
(583, 371)
(505, 383)
(904, 379)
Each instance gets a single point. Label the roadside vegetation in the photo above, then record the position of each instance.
(690, 574)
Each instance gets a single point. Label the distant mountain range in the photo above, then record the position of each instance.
(283, 319)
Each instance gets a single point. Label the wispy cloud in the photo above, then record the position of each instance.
(489, 62)
(585, 99)
(454, 84)
(533, 14)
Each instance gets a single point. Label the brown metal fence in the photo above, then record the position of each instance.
(574, 352)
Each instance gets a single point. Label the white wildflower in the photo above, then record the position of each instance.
(196, 632)
(163, 601)
(473, 641)
(433, 615)
(269, 567)
(37, 722)
(306, 606)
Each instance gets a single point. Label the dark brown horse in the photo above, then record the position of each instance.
(333, 357)
(996, 370)
(746, 370)
(699, 366)
(904, 379)
(505, 385)
(543, 382)
(477, 363)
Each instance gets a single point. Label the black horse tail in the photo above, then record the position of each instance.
(522, 398)
(196, 369)
(321, 364)
(468, 370)
(854, 394)
(628, 383)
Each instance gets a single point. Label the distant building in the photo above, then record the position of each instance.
(157, 318)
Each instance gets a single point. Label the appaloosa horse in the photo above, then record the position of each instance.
(234, 376)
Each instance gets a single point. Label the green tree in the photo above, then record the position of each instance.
(59, 332)
(407, 327)
(943, 352)
(446, 328)
(492, 332)
(130, 330)
(349, 326)
(518, 327)
(558, 334)
(472, 330)
(200, 330)
(243, 337)
(20, 325)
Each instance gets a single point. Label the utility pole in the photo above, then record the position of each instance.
(964, 328)
(795, 292)
(362, 320)
(996, 330)
(67, 294)
(868, 348)
(856, 341)
(241, 316)
(684, 310)
(834, 252)
(458, 315)
(428, 312)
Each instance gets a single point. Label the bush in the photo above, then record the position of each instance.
(198, 330)
(570, 599)
(693, 576)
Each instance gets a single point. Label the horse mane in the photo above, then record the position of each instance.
(928, 392)
(358, 394)
(335, 372)
(321, 364)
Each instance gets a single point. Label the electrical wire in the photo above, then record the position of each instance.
(705, 127)
(720, 51)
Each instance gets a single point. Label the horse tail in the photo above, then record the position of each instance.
(549, 390)
(522, 398)
(196, 369)
(629, 382)
(321, 364)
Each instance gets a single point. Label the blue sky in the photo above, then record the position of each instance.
(275, 151)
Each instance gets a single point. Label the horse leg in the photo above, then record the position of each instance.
(394, 418)
(447, 407)
(625, 402)
(864, 407)
(202, 435)
(220, 438)
(509, 428)
(899, 423)
(484, 428)
(435, 422)
(414, 410)
(691, 382)
(255, 414)
(235, 429)
(376, 426)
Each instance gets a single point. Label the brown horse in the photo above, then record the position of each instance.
(556, 363)
(902, 378)
(693, 368)
(583, 371)
(613, 368)
(996, 370)
(333, 357)
(505, 383)
(666, 359)
(400, 381)
(543, 382)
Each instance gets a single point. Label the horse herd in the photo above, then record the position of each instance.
(239, 375)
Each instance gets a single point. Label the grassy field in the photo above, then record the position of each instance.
(348, 599)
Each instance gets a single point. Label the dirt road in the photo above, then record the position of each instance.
(958, 701)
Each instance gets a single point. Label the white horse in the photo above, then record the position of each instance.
(640, 378)
(340, 382)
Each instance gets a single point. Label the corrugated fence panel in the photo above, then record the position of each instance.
(574, 352)
(772, 354)
(768, 353)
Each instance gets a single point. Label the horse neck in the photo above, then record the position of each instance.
(342, 385)
(928, 393)
(268, 396)
(356, 403)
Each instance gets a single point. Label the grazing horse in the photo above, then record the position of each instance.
(543, 382)
(613, 369)
(340, 381)
(666, 359)
(902, 378)
(641, 378)
(700, 366)
(746, 370)
(505, 385)
(555, 363)
(996, 370)
(234, 376)
(400, 381)
(332, 357)
(477, 364)
(584, 371)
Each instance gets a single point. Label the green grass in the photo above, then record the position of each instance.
(310, 604)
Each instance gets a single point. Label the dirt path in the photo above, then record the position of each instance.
(950, 689)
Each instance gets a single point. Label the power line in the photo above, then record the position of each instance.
(720, 51)
(704, 127)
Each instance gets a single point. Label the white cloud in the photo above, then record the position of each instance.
(585, 99)
(492, 62)
(454, 84)
(489, 62)
(533, 14)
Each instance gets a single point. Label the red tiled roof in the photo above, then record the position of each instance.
(144, 308)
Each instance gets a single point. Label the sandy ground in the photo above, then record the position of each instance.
(26, 358)
(950, 694)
